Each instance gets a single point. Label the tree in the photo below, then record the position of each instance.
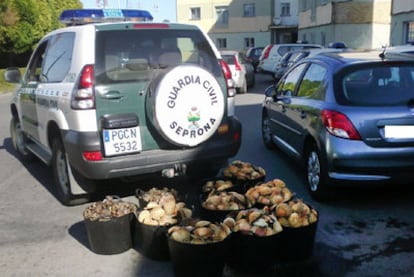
(57, 6)
(24, 22)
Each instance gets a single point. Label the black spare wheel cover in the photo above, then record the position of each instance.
(186, 105)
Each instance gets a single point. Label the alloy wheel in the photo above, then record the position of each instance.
(314, 171)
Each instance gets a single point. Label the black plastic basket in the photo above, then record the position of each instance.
(297, 243)
(214, 215)
(151, 240)
(198, 259)
(110, 236)
(250, 253)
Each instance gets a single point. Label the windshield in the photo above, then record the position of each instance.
(229, 59)
(132, 55)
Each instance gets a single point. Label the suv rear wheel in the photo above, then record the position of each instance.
(185, 105)
(19, 140)
(64, 177)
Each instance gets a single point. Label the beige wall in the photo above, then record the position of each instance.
(360, 24)
(323, 16)
(208, 16)
(241, 24)
(348, 13)
(206, 9)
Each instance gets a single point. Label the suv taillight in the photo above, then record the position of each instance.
(83, 97)
(231, 89)
(339, 125)
(266, 52)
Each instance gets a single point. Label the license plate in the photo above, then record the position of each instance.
(399, 131)
(122, 141)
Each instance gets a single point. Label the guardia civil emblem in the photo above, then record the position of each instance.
(193, 117)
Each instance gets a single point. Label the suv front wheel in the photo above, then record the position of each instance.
(19, 140)
(64, 177)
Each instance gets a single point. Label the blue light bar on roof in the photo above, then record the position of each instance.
(84, 16)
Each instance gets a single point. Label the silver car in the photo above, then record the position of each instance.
(242, 70)
(348, 116)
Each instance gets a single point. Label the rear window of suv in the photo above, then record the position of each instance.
(387, 85)
(133, 55)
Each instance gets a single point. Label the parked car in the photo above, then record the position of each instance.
(122, 99)
(253, 55)
(407, 49)
(285, 62)
(348, 116)
(272, 53)
(241, 69)
(292, 57)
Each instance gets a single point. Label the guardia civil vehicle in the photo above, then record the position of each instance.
(123, 96)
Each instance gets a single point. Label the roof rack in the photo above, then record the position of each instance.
(86, 16)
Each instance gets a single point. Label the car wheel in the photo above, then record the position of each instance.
(266, 133)
(63, 177)
(19, 140)
(316, 175)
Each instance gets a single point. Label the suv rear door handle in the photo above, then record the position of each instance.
(113, 94)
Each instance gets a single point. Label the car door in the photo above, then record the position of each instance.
(247, 68)
(28, 92)
(305, 104)
(53, 81)
(280, 124)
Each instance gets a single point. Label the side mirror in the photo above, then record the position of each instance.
(12, 75)
(287, 93)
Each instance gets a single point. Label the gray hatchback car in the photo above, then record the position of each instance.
(348, 116)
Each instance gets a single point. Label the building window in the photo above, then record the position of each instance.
(285, 9)
(323, 38)
(222, 14)
(323, 2)
(304, 5)
(248, 42)
(410, 32)
(195, 14)
(249, 10)
(221, 43)
(313, 10)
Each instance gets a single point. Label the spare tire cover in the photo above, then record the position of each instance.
(187, 105)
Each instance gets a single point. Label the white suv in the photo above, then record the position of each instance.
(111, 100)
(272, 53)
